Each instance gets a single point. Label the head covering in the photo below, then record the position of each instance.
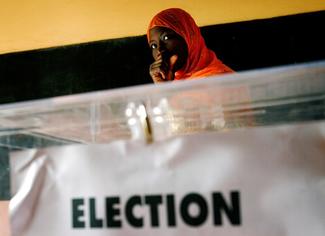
(201, 61)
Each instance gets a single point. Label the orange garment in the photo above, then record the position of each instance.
(201, 61)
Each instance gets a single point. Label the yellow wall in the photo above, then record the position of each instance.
(32, 24)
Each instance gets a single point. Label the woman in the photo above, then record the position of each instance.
(179, 50)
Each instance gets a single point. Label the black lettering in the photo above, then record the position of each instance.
(130, 204)
(77, 213)
(94, 222)
(153, 202)
(171, 219)
(112, 211)
(233, 211)
(194, 198)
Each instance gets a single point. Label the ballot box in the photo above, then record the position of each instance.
(237, 154)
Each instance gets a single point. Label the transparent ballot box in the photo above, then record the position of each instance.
(259, 105)
(152, 113)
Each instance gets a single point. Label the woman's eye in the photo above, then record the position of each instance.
(153, 46)
(165, 37)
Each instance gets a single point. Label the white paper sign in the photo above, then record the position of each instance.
(261, 181)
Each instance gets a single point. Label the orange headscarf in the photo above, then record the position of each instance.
(201, 61)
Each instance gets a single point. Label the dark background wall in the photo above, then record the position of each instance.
(124, 62)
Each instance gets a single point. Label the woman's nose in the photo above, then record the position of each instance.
(161, 47)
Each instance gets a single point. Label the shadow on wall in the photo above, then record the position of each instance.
(125, 62)
(270, 42)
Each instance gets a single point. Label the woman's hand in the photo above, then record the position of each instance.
(162, 71)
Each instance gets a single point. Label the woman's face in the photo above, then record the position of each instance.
(166, 43)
